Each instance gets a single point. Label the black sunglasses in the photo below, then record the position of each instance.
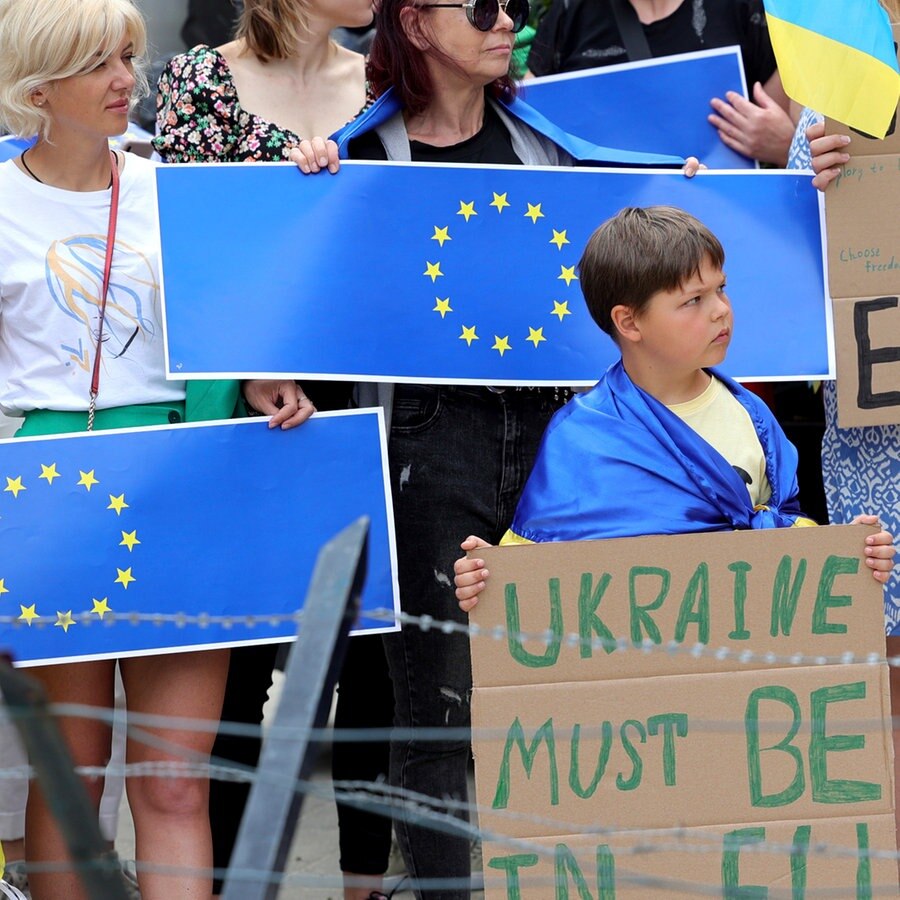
(483, 13)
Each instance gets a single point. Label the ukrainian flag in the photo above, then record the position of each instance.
(838, 57)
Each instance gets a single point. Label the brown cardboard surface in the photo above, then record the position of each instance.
(863, 236)
(867, 355)
(703, 862)
(744, 571)
(863, 227)
(655, 738)
(682, 750)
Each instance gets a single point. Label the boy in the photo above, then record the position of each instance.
(663, 444)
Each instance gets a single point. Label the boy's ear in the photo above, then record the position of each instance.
(625, 323)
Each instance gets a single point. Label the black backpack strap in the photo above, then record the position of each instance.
(631, 30)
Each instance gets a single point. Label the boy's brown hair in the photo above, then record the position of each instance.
(638, 252)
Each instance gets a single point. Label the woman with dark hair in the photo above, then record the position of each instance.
(459, 455)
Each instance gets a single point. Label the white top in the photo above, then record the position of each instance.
(52, 251)
(718, 417)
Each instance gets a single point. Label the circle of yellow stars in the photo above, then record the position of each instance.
(559, 238)
(117, 504)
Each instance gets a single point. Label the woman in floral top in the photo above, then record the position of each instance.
(257, 98)
(260, 96)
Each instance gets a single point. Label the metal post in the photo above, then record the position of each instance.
(273, 808)
(63, 790)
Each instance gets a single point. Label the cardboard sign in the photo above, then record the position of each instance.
(646, 709)
(864, 277)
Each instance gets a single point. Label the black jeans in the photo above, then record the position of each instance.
(459, 457)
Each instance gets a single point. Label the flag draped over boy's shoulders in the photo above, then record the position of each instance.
(615, 462)
(838, 57)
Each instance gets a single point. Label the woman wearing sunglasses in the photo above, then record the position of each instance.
(458, 455)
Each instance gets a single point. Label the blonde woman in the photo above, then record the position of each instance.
(68, 73)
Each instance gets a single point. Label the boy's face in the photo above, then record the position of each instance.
(688, 328)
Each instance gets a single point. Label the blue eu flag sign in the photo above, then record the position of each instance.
(400, 272)
(633, 104)
(192, 524)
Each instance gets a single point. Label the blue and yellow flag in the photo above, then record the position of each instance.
(839, 58)
(615, 462)
(150, 540)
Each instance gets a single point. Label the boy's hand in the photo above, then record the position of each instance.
(471, 576)
(880, 550)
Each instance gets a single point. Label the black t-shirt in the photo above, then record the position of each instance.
(582, 34)
(492, 144)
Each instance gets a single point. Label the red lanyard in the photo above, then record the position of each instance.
(107, 267)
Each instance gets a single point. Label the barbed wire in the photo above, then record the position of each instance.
(456, 817)
(697, 650)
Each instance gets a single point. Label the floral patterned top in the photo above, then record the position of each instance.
(199, 117)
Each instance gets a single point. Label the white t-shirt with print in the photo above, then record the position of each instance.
(52, 251)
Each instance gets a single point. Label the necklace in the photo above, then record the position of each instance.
(38, 180)
(28, 168)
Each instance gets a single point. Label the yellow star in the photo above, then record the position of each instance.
(561, 309)
(468, 335)
(28, 614)
(499, 201)
(14, 485)
(125, 577)
(129, 539)
(466, 209)
(87, 479)
(433, 270)
(117, 503)
(501, 344)
(440, 235)
(443, 306)
(49, 472)
(534, 212)
(559, 238)
(567, 275)
(64, 620)
(3, 588)
(535, 335)
(101, 607)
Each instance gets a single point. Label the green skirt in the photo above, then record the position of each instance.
(53, 421)
(205, 400)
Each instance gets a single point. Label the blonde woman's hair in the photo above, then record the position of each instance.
(42, 41)
(273, 29)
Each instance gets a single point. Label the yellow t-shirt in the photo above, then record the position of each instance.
(718, 417)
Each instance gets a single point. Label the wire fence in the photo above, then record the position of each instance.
(459, 816)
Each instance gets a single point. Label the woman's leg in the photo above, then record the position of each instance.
(89, 683)
(171, 815)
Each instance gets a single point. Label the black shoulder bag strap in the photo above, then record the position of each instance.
(631, 30)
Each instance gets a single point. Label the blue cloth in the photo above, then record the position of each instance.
(615, 462)
(388, 105)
